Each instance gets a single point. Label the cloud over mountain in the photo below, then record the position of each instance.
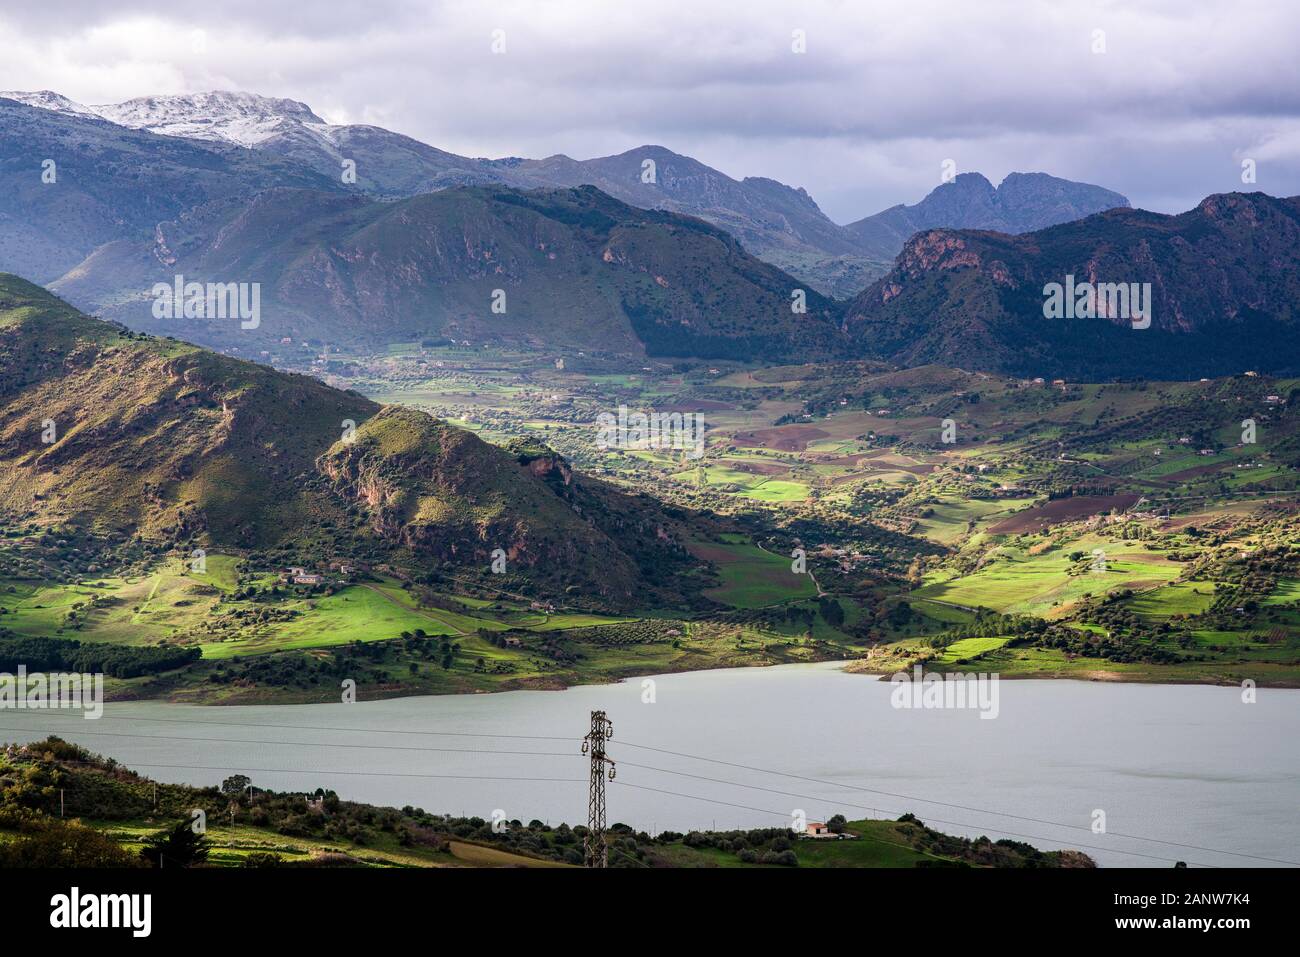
(865, 116)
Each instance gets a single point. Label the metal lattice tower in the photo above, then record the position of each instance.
(595, 852)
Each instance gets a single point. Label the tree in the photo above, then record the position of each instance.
(832, 611)
(262, 859)
(53, 843)
(179, 847)
(235, 784)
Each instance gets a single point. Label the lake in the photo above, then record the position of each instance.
(1168, 765)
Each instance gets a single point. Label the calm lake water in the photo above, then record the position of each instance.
(1185, 765)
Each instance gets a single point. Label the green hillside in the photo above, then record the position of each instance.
(132, 438)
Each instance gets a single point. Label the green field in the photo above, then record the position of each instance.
(968, 648)
(844, 457)
(1287, 591)
(1178, 598)
(135, 610)
(359, 613)
(1020, 582)
(752, 577)
(950, 518)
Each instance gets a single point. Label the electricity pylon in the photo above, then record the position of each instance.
(595, 853)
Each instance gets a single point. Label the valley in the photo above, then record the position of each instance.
(726, 437)
(963, 520)
(1056, 501)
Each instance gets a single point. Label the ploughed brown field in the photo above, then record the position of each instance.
(782, 438)
(711, 553)
(1061, 510)
(760, 468)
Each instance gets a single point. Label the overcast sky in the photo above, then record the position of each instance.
(1184, 91)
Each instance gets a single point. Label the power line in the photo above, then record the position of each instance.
(909, 797)
(696, 797)
(378, 774)
(1032, 837)
(317, 744)
(300, 727)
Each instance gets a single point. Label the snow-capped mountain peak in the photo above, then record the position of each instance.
(245, 119)
(242, 118)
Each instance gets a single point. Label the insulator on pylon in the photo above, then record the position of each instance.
(584, 746)
(612, 769)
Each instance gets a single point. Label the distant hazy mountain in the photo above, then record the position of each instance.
(1224, 282)
(577, 269)
(1022, 203)
(173, 181)
(777, 223)
(245, 119)
(364, 264)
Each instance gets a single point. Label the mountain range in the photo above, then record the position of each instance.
(647, 252)
(777, 223)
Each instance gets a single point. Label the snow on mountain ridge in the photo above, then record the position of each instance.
(49, 100)
(244, 119)
(241, 118)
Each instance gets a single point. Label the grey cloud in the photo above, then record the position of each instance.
(862, 120)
